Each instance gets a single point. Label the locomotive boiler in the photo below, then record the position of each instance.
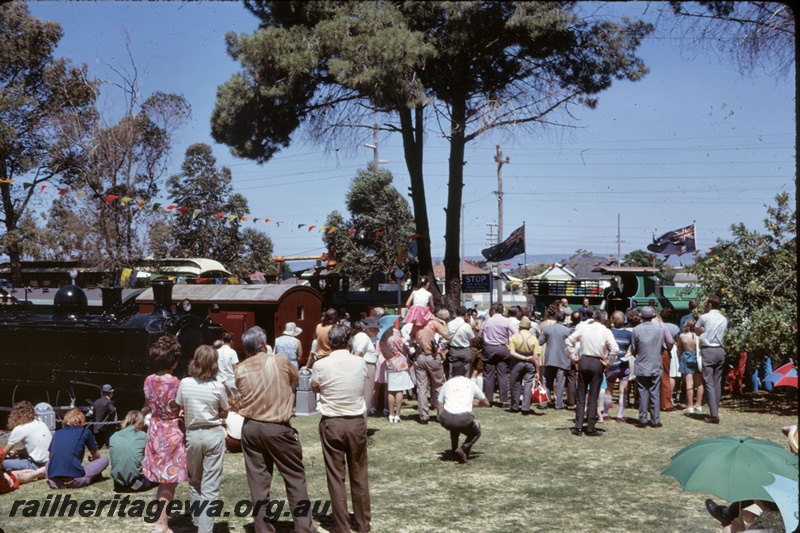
(64, 354)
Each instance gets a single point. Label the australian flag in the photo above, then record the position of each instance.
(512, 246)
(677, 242)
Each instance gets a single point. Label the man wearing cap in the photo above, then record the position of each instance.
(647, 342)
(711, 328)
(289, 345)
(339, 381)
(363, 345)
(597, 344)
(104, 411)
(524, 349)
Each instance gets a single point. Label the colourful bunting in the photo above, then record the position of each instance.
(240, 218)
(378, 234)
(43, 188)
(6, 181)
(195, 213)
(80, 194)
(62, 192)
(126, 199)
(171, 207)
(155, 206)
(110, 198)
(219, 215)
(140, 203)
(311, 227)
(232, 218)
(299, 226)
(332, 229)
(182, 211)
(266, 220)
(352, 232)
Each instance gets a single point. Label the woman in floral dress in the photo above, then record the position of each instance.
(164, 453)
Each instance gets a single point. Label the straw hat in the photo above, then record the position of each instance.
(292, 329)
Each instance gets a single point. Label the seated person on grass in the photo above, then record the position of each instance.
(64, 469)
(126, 448)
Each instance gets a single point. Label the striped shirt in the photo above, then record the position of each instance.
(265, 383)
(201, 402)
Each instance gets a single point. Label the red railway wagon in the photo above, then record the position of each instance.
(240, 307)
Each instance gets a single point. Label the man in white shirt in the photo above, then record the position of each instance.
(459, 355)
(455, 412)
(711, 327)
(363, 345)
(339, 381)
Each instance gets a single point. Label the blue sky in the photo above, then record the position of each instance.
(693, 140)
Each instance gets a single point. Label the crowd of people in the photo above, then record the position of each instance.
(447, 359)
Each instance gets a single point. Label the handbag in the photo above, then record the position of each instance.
(539, 394)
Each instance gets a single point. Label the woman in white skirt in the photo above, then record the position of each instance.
(398, 370)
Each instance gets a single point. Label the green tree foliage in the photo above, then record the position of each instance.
(643, 258)
(202, 191)
(473, 66)
(381, 225)
(45, 104)
(755, 275)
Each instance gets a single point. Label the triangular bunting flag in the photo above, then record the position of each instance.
(110, 198)
(126, 199)
(43, 188)
(170, 207)
(182, 211)
(195, 213)
(310, 228)
(62, 192)
(219, 215)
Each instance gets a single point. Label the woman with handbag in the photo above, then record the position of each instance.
(692, 375)
(398, 369)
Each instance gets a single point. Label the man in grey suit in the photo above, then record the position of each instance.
(556, 360)
(648, 340)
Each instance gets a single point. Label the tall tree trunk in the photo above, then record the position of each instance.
(455, 187)
(12, 244)
(411, 128)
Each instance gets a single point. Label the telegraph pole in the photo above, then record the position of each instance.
(374, 146)
(500, 162)
(490, 241)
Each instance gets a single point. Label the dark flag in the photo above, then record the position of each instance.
(677, 242)
(512, 246)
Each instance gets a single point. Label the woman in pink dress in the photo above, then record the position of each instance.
(164, 453)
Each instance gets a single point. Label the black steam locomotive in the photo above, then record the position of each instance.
(63, 355)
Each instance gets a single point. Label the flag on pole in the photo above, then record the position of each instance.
(677, 242)
(512, 246)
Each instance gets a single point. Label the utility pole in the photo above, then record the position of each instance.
(619, 240)
(374, 147)
(500, 162)
(490, 241)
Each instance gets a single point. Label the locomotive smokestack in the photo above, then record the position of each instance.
(112, 297)
(162, 297)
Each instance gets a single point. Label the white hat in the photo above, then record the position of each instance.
(292, 329)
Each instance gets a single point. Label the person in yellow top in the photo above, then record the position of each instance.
(525, 351)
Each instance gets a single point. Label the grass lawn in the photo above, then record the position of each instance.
(526, 474)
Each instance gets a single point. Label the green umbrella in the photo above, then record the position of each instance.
(733, 468)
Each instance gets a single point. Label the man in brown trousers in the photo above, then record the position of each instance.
(339, 381)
